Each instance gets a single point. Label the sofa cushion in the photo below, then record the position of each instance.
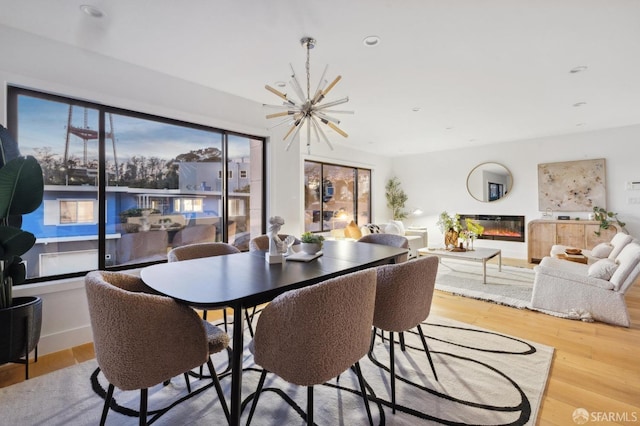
(619, 242)
(603, 269)
(393, 228)
(373, 229)
(400, 226)
(627, 261)
(602, 250)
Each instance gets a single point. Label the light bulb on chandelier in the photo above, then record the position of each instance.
(307, 109)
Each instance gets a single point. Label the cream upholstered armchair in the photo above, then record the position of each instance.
(594, 291)
(403, 300)
(313, 334)
(142, 339)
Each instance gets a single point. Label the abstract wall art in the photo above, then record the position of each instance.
(575, 186)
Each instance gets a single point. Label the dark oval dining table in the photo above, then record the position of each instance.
(246, 279)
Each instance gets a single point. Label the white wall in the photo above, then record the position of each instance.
(437, 181)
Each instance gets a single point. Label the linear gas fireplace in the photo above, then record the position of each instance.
(497, 227)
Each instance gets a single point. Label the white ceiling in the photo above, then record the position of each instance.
(480, 71)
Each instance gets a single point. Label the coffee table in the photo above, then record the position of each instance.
(480, 254)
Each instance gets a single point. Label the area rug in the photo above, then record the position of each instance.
(485, 378)
(512, 286)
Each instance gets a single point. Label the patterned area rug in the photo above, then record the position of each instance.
(485, 378)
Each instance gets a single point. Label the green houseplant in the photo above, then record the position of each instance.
(606, 218)
(396, 198)
(311, 243)
(21, 192)
(450, 226)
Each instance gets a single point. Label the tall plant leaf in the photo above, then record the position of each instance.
(21, 186)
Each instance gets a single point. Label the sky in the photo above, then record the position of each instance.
(43, 123)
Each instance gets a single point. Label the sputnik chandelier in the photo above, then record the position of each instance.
(307, 111)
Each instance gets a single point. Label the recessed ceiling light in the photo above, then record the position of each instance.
(371, 41)
(579, 104)
(415, 109)
(92, 11)
(580, 124)
(280, 84)
(578, 69)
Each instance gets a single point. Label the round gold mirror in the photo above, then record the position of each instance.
(489, 182)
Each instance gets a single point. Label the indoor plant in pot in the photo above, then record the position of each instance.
(311, 243)
(450, 227)
(21, 192)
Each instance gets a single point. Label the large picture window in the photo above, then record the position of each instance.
(123, 187)
(335, 195)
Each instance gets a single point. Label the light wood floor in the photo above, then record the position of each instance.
(595, 366)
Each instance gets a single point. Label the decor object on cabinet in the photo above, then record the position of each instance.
(572, 185)
(605, 218)
(308, 109)
(396, 199)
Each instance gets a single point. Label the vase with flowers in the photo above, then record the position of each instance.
(450, 227)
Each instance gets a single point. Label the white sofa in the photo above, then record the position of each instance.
(588, 291)
(417, 238)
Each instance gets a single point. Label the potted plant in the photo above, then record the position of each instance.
(396, 198)
(311, 243)
(605, 218)
(21, 192)
(450, 227)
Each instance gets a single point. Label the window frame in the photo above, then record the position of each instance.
(100, 215)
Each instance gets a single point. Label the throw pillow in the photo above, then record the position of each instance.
(602, 269)
(602, 250)
(373, 229)
(352, 231)
(364, 230)
(400, 226)
(392, 228)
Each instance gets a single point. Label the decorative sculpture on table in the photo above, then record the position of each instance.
(277, 247)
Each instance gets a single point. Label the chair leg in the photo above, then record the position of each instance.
(426, 349)
(143, 406)
(216, 383)
(310, 405)
(224, 315)
(392, 362)
(256, 395)
(246, 314)
(364, 392)
(373, 338)
(402, 347)
(186, 379)
(107, 403)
